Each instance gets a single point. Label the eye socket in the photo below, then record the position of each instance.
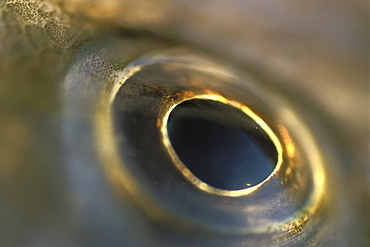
(220, 144)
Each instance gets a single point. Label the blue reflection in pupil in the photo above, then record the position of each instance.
(217, 154)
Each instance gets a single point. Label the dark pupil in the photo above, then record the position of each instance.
(220, 144)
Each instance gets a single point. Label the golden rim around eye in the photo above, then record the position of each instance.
(164, 118)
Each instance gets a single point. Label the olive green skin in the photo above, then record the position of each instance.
(58, 62)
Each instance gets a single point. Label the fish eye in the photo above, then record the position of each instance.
(195, 143)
